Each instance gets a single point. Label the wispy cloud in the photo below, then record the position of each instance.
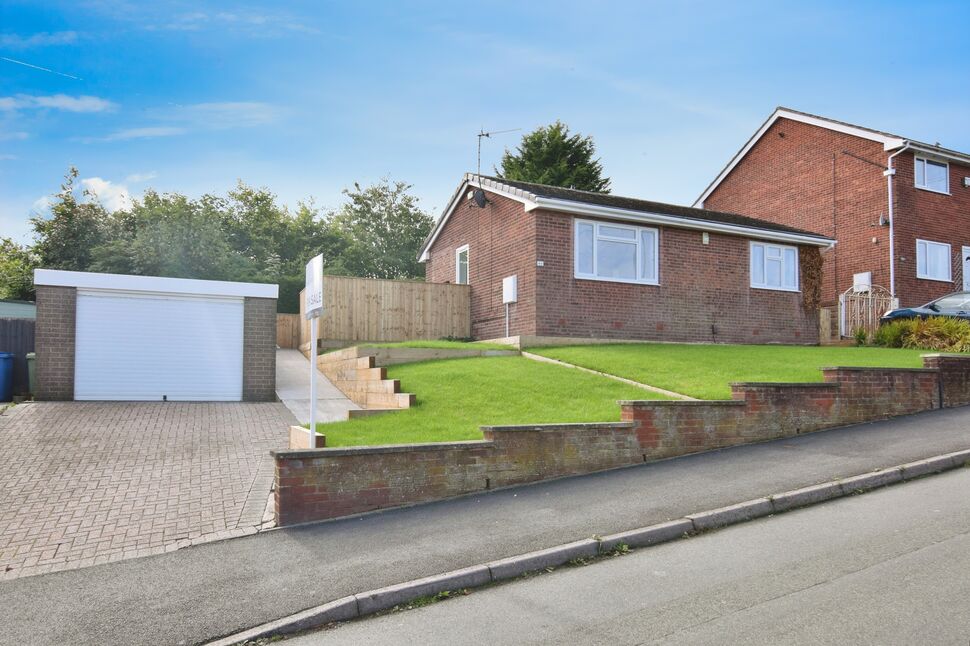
(225, 115)
(150, 132)
(82, 103)
(5, 157)
(251, 23)
(138, 178)
(17, 135)
(40, 39)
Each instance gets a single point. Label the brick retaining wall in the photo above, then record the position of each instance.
(328, 483)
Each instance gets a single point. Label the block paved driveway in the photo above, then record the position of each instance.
(83, 483)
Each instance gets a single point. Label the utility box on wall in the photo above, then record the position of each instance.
(510, 289)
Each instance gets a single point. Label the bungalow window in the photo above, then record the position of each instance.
(933, 260)
(616, 252)
(774, 266)
(461, 265)
(932, 175)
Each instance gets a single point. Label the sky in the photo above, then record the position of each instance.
(308, 97)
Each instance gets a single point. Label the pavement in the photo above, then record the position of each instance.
(210, 590)
(293, 389)
(889, 567)
(85, 483)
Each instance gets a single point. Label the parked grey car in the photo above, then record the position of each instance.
(956, 305)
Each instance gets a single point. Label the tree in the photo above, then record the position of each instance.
(66, 239)
(383, 229)
(16, 271)
(550, 155)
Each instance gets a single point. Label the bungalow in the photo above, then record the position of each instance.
(548, 261)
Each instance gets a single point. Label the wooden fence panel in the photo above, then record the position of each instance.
(288, 330)
(17, 336)
(369, 309)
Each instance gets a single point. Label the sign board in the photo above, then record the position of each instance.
(313, 295)
(510, 289)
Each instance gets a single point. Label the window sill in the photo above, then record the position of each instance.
(652, 283)
(931, 190)
(777, 289)
(935, 280)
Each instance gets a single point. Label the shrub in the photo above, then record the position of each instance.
(861, 336)
(942, 334)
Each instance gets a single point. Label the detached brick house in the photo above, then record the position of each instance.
(898, 208)
(594, 265)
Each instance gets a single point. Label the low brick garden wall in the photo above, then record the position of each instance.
(328, 483)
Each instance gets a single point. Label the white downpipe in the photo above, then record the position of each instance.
(890, 173)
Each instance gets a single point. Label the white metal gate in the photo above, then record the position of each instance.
(862, 308)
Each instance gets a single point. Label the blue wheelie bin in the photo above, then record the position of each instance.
(6, 376)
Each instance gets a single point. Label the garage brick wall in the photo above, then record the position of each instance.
(56, 312)
(259, 349)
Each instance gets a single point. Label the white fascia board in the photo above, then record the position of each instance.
(674, 221)
(473, 180)
(889, 143)
(155, 284)
(938, 153)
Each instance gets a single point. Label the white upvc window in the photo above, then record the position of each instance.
(933, 261)
(774, 266)
(932, 175)
(461, 265)
(616, 252)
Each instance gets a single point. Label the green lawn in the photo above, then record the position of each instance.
(440, 345)
(705, 371)
(456, 396)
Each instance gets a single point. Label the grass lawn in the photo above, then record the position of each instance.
(456, 396)
(705, 371)
(440, 345)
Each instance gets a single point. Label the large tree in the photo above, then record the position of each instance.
(75, 227)
(383, 228)
(551, 155)
(16, 271)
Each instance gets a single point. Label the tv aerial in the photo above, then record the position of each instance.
(478, 195)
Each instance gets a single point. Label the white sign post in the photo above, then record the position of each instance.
(313, 309)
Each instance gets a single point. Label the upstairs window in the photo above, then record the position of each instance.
(774, 266)
(932, 175)
(461, 265)
(933, 261)
(616, 252)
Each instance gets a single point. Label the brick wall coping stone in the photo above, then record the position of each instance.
(785, 384)
(683, 404)
(875, 369)
(557, 427)
(953, 355)
(383, 448)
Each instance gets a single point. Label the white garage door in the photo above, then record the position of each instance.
(146, 347)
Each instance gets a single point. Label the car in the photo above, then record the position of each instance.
(956, 305)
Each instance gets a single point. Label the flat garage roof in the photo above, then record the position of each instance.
(157, 284)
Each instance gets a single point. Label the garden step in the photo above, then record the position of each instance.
(389, 400)
(388, 386)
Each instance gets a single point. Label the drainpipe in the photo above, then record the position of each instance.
(889, 173)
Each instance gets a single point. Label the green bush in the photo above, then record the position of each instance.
(861, 336)
(942, 334)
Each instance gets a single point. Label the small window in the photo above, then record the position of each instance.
(932, 175)
(933, 261)
(774, 266)
(461, 265)
(616, 252)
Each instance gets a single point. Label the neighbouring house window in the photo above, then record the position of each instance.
(616, 252)
(933, 260)
(932, 175)
(774, 266)
(461, 265)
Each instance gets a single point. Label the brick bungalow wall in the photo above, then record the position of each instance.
(704, 293)
(54, 340)
(501, 239)
(259, 349)
(327, 483)
(800, 175)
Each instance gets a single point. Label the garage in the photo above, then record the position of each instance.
(109, 337)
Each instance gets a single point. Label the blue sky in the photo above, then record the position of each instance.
(306, 98)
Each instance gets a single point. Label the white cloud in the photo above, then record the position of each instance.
(113, 197)
(5, 157)
(42, 205)
(81, 103)
(138, 178)
(142, 133)
(229, 114)
(40, 39)
(253, 24)
(13, 135)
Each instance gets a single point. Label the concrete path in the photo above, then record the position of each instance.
(215, 589)
(889, 567)
(293, 389)
(83, 483)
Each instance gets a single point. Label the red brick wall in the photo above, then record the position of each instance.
(787, 178)
(327, 483)
(501, 242)
(700, 286)
(928, 216)
(805, 179)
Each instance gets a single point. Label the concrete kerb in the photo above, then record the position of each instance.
(381, 599)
